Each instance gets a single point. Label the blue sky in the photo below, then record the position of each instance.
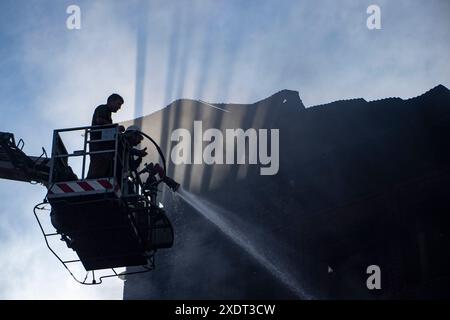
(217, 51)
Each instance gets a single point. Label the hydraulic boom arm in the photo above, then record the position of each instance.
(16, 165)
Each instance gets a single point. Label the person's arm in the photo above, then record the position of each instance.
(140, 153)
(99, 120)
(102, 121)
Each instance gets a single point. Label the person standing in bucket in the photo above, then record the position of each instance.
(101, 164)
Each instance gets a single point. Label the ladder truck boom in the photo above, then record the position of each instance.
(18, 166)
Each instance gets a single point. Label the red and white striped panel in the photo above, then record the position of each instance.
(83, 187)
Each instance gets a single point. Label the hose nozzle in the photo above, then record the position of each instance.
(172, 184)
